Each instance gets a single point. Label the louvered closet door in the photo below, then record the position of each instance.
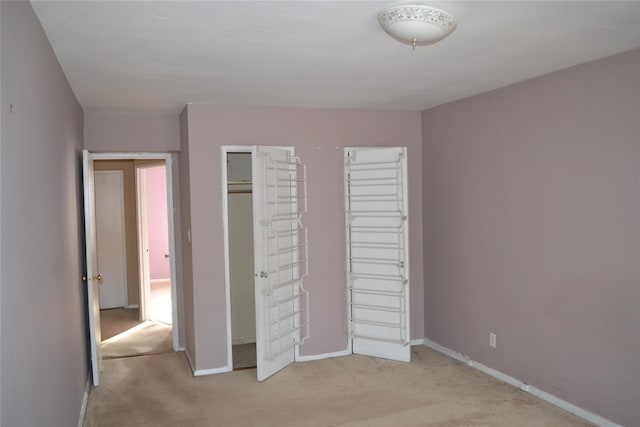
(280, 252)
(377, 251)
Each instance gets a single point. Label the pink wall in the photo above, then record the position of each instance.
(318, 136)
(44, 346)
(131, 132)
(156, 179)
(532, 213)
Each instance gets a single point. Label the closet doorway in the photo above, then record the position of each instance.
(264, 201)
(241, 275)
(153, 241)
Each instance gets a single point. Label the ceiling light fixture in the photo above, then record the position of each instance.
(416, 24)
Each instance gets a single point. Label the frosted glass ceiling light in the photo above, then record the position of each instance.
(416, 24)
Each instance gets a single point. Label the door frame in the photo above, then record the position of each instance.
(143, 235)
(143, 239)
(224, 150)
(167, 157)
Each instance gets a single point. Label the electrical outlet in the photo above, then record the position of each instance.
(492, 340)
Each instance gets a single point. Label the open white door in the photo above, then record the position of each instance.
(93, 277)
(143, 242)
(377, 251)
(280, 257)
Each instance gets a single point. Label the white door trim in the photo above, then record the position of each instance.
(167, 157)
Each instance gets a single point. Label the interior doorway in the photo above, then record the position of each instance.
(142, 319)
(153, 242)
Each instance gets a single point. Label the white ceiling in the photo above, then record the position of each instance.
(156, 56)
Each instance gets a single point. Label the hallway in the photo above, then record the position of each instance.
(124, 335)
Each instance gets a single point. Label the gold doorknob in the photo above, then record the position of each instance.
(99, 277)
(84, 278)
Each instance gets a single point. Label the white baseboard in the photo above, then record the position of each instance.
(419, 341)
(554, 400)
(85, 400)
(186, 353)
(346, 352)
(248, 340)
(323, 356)
(133, 306)
(201, 372)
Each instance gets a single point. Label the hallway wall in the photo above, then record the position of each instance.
(44, 339)
(121, 132)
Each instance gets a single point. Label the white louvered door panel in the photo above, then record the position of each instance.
(280, 253)
(377, 251)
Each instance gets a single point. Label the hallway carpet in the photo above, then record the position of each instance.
(432, 390)
(146, 338)
(114, 321)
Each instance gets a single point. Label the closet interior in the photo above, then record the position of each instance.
(241, 261)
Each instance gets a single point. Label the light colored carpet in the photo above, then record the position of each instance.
(432, 390)
(117, 320)
(160, 305)
(146, 338)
